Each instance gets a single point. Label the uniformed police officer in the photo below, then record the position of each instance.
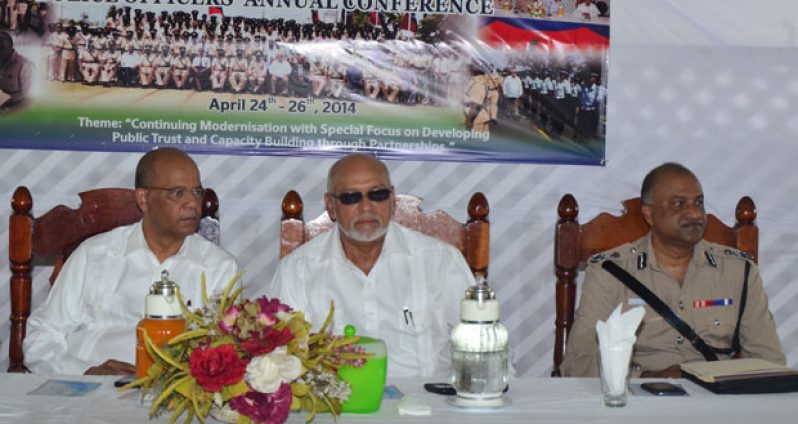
(701, 282)
(475, 103)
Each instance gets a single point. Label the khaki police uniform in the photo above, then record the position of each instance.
(716, 272)
(476, 114)
(163, 69)
(494, 82)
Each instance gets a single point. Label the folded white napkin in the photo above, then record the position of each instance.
(414, 404)
(616, 338)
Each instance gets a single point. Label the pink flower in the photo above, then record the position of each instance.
(265, 342)
(215, 367)
(265, 408)
(269, 309)
(229, 320)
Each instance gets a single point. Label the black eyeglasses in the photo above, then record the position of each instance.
(353, 197)
(179, 193)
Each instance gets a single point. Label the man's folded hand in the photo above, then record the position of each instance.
(673, 371)
(112, 367)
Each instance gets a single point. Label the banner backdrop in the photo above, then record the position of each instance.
(461, 80)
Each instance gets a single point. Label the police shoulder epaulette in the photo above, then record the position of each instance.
(738, 253)
(642, 260)
(601, 257)
(710, 255)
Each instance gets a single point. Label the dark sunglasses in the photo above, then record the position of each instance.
(353, 197)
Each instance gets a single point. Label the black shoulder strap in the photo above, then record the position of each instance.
(736, 346)
(661, 308)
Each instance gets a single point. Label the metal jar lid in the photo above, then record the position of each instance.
(162, 302)
(481, 291)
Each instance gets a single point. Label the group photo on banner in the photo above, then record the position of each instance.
(453, 80)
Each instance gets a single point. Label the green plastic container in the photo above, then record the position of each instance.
(368, 381)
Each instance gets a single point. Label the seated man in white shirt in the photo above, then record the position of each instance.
(390, 282)
(586, 10)
(279, 70)
(88, 323)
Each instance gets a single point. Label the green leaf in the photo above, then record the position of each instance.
(203, 286)
(179, 409)
(161, 354)
(186, 312)
(234, 390)
(189, 416)
(188, 335)
(186, 388)
(164, 394)
(225, 295)
(329, 318)
(195, 404)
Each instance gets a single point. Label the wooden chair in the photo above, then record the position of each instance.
(574, 244)
(51, 238)
(472, 238)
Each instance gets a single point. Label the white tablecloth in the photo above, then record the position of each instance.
(541, 400)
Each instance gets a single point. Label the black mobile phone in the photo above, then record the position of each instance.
(124, 381)
(663, 389)
(440, 388)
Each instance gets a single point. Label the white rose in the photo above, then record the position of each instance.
(265, 373)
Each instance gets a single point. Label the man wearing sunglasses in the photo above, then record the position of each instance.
(390, 282)
(87, 325)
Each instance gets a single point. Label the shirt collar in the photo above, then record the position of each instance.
(395, 243)
(137, 242)
(699, 253)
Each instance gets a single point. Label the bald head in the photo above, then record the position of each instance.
(657, 175)
(149, 164)
(354, 163)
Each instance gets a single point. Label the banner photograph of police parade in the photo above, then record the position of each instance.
(483, 82)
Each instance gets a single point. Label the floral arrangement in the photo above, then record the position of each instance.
(537, 9)
(251, 361)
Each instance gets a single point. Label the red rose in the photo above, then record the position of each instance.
(216, 367)
(265, 342)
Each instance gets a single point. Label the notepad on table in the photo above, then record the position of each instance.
(735, 369)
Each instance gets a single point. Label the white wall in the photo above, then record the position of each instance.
(707, 83)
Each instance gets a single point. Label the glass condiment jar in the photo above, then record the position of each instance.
(479, 349)
(163, 320)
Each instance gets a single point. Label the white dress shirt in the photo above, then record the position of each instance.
(95, 304)
(583, 9)
(129, 60)
(414, 271)
(512, 87)
(280, 68)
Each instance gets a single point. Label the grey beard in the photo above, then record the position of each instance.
(365, 238)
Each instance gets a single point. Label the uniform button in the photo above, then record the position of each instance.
(681, 305)
(679, 340)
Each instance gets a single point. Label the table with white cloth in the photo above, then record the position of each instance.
(534, 400)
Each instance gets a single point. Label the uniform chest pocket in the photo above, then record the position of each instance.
(716, 325)
(653, 330)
